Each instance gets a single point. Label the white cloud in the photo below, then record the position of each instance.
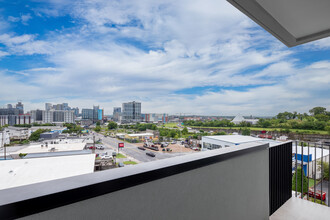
(148, 50)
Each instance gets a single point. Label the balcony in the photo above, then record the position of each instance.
(250, 181)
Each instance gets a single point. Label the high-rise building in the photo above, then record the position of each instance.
(58, 116)
(48, 106)
(116, 113)
(20, 107)
(87, 113)
(131, 112)
(36, 115)
(96, 113)
(76, 111)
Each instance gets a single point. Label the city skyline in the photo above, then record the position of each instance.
(201, 57)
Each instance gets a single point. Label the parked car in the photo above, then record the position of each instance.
(100, 147)
(121, 165)
(150, 154)
(91, 148)
(173, 142)
(106, 157)
(141, 148)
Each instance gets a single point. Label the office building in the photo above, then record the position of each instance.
(96, 113)
(131, 112)
(48, 106)
(100, 114)
(20, 107)
(87, 113)
(37, 115)
(116, 113)
(15, 119)
(76, 111)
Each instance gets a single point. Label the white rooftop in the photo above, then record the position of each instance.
(239, 139)
(234, 139)
(238, 118)
(142, 134)
(28, 171)
(44, 149)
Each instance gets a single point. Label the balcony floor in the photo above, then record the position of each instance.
(296, 208)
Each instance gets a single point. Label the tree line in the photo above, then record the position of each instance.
(317, 119)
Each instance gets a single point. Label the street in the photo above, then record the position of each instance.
(132, 151)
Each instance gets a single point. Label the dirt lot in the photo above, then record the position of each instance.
(176, 148)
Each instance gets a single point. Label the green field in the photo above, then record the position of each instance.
(120, 156)
(171, 125)
(130, 162)
(267, 129)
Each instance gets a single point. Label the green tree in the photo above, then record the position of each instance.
(36, 135)
(185, 131)
(112, 125)
(327, 128)
(98, 123)
(97, 129)
(299, 178)
(318, 110)
(325, 169)
(246, 131)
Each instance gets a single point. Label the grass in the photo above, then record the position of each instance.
(171, 125)
(268, 129)
(130, 162)
(120, 156)
(317, 201)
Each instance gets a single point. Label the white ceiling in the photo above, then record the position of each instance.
(300, 17)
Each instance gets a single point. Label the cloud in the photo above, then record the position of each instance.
(151, 51)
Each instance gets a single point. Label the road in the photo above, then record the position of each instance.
(132, 151)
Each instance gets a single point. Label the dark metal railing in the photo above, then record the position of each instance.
(280, 175)
(317, 162)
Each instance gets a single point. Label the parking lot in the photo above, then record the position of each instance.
(176, 148)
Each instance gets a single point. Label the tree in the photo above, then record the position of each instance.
(112, 125)
(318, 110)
(185, 131)
(299, 178)
(36, 135)
(98, 123)
(246, 132)
(97, 129)
(327, 128)
(325, 169)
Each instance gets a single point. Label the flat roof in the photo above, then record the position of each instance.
(58, 147)
(28, 171)
(293, 22)
(235, 139)
(240, 139)
(142, 134)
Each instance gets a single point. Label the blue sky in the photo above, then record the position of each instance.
(201, 57)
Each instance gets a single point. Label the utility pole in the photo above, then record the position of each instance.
(93, 150)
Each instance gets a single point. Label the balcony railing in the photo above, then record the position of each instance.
(249, 181)
(311, 160)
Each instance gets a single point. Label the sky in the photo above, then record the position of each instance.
(193, 57)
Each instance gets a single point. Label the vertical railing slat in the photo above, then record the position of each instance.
(315, 173)
(296, 157)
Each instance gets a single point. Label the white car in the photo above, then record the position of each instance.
(106, 157)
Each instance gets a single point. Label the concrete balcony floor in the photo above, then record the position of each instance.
(296, 208)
